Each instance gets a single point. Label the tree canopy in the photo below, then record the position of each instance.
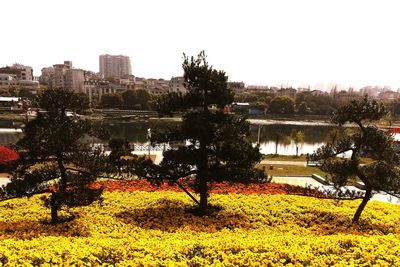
(383, 173)
(136, 99)
(217, 144)
(281, 105)
(58, 157)
(111, 101)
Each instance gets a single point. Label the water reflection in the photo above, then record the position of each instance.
(136, 132)
(276, 138)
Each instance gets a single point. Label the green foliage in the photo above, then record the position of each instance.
(26, 93)
(303, 108)
(298, 138)
(58, 153)
(321, 104)
(136, 99)
(111, 101)
(167, 104)
(281, 105)
(382, 173)
(218, 146)
(359, 112)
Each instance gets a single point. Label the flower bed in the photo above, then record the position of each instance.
(217, 188)
(153, 229)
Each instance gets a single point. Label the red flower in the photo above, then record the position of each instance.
(7, 155)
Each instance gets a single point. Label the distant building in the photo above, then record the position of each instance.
(58, 78)
(74, 80)
(94, 89)
(140, 83)
(317, 92)
(237, 87)
(388, 95)
(290, 92)
(177, 85)
(128, 82)
(20, 72)
(64, 76)
(18, 76)
(257, 88)
(114, 66)
(47, 75)
(7, 80)
(158, 86)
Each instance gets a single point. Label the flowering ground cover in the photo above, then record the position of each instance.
(217, 188)
(141, 228)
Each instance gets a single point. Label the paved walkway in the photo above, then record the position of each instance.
(302, 181)
(277, 162)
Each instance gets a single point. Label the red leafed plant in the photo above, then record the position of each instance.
(7, 155)
(218, 188)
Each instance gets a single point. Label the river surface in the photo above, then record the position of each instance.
(273, 136)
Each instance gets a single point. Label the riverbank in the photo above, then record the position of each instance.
(268, 119)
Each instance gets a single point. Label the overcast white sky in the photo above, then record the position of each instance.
(295, 42)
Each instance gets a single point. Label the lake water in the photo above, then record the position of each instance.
(274, 135)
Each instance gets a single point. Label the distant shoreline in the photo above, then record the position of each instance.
(255, 120)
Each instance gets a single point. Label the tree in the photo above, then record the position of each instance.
(218, 145)
(129, 99)
(143, 98)
(281, 105)
(111, 101)
(383, 173)
(136, 99)
(26, 93)
(84, 100)
(166, 104)
(302, 109)
(57, 155)
(298, 138)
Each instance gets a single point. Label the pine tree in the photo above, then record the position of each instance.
(217, 144)
(383, 172)
(57, 155)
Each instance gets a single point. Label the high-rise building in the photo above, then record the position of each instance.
(112, 66)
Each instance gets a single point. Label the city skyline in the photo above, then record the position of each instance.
(257, 42)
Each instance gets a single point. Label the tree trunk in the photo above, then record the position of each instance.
(297, 151)
(63, 184)
(203, 196)
(276, 145)
(366, 198)
(54, 210)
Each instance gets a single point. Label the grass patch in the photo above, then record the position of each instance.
(284, 157)
(292, 170)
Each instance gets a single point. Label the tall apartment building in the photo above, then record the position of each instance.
(74, 80)
(64, 76)
(114, 66)
(47, 75)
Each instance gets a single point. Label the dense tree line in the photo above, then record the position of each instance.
(301, 103)
(130, 99)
